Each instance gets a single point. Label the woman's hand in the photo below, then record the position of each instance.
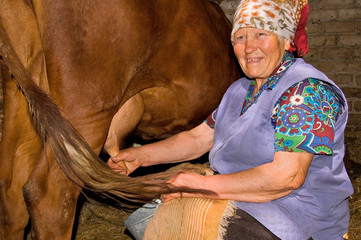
(125, 162)
(186, 184)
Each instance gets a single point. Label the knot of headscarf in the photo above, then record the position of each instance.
(286, 18)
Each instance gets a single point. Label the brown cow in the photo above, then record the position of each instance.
(148, 67)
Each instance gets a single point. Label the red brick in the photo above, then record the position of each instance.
(312, 54)
(338, 27)
(312, 27)
(358, 27)
(357, 106)
(349, 14)
(343, 79)
(354, 119)
(349, 40)
(358, 80)
(323, 15)
(336, 4)
(314, 4)
(347, 66)
(338, 53)
(324, 66)
(350, 105)
(315, 41)
(358, 53)
(352, 92)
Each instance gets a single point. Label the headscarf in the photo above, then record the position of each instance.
(286, 18)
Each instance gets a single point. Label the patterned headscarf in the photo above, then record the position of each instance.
(286, 18)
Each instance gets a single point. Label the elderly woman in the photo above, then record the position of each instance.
(278, 139)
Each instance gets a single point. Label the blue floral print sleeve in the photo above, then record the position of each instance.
(304, 118)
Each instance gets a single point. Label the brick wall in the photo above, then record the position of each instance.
(334, 33)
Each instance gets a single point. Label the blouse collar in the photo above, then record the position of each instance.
(286, 62)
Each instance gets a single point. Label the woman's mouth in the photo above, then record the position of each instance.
(252, 60)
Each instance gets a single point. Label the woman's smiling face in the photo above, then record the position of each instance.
(259, 52)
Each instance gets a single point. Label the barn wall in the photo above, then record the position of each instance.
(335, 41)
(334, 30)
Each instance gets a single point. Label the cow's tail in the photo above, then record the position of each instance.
(76, 158)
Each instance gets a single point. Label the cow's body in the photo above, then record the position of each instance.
(152, 67)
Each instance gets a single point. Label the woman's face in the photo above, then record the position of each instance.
(259, 52)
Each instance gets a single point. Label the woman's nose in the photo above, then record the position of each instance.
(250, 45)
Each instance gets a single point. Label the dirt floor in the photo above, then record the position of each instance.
(101, 221)
(355, 202)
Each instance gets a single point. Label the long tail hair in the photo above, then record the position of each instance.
(75, 157)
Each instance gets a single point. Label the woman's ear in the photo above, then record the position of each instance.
(287, 44)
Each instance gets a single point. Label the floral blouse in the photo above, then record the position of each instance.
(303, 118)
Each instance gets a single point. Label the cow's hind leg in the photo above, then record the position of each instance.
(19, 151)
(51, 199)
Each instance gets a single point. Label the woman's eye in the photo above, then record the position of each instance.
(240, 39)
(260, 35)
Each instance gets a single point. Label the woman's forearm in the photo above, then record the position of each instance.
(184, 146)
(254, 185)
(260, 184)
